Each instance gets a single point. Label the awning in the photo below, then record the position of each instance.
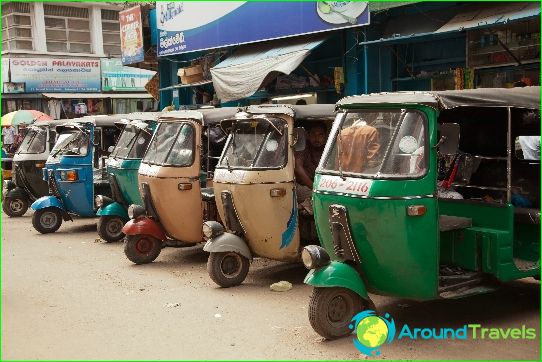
(177, 86)
(437, 24)
(495, 15)
(242, 74)
(97, 95)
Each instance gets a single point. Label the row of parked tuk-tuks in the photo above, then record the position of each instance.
(418, 195)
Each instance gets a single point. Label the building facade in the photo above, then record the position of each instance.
(64, 59)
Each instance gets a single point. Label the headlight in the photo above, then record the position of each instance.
(99, 201)
(314, 257)
(212, 229)
(135, 211)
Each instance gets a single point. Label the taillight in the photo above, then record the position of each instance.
(416, 210)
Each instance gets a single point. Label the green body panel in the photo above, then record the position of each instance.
(114, 209)
(337, 274)
(126, 175)
(399, 253)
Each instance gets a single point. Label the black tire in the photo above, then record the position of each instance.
(14, 206)
(110, 228)
(227, 269)
(47, 220)
(142, 249)
(332, 309)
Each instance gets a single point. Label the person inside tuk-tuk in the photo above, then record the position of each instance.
(359, 146)
(307, 160)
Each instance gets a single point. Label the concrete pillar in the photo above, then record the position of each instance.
(96, 35)
(38, 27)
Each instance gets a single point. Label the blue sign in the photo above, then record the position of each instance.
(191, 25)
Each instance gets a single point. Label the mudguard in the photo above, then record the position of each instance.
(17, 193)
(144, 226)
(113, 209)
(337, 274)
(47, 201)
(228, 242)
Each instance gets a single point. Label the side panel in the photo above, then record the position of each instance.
(125, 172)
(29, 177)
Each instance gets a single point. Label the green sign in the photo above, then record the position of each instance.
(116, 77)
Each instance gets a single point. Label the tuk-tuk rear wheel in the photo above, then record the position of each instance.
(47, 220)
(142, 249)
(331, 310)
(110, 228)
(14, 206)
(227, 269)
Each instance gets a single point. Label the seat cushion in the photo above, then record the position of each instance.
(448, 223)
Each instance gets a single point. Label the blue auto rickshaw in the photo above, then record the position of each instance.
(75, 171)
(122, 169)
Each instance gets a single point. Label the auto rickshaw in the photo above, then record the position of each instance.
(75, 171)
(175, 183)
(27, 184)
(122, 167)
(424, 195)
(255, 191)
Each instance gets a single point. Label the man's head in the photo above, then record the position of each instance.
(316, 135)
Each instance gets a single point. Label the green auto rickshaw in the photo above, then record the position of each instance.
(424, 195)
(122, 167)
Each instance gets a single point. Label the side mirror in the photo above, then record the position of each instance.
(110, 149)
(300, 139)
(449, 138)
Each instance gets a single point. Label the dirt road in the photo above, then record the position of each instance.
(68, 296)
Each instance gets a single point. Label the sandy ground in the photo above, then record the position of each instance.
(70, 296)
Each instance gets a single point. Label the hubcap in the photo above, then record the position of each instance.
(48, 219)
(144, 245)
(114, 227)
(231, 265)
(16, 205)
(338, 308)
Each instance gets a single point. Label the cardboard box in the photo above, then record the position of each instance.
(191, 74)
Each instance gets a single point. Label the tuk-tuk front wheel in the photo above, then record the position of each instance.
(332, 309)
(110, 228)
(14, 206)
(47, 220)
(142, 249)
(227, 269)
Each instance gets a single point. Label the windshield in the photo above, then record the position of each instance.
(172, 145)
(132, 143)
(71, 143)
(379, 144)
(256, 143)
(34, 141)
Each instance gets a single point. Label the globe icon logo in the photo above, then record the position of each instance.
(372, 332)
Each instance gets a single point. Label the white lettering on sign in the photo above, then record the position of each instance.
(235, 176)
(349, 185)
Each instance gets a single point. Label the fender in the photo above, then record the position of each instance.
(337, 274)
(17, 193)
(113, 209)
(47, 201)
(144, 226)
(228, 242)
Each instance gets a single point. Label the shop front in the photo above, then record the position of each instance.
(215, 61)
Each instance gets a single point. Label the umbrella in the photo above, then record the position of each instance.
(24, 117)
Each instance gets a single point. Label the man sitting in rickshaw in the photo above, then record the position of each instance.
(306, 162)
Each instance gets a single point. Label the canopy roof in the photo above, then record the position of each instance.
(520, 97)
(205, 115)
(300, 112)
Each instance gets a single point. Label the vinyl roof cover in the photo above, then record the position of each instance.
(307, 112)
(520, 97)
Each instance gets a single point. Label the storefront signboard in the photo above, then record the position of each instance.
(116, 77)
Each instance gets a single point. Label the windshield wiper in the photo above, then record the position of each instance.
(340, 140)
(228, 164)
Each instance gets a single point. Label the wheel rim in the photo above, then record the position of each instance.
(114, 227)
(339, 310)
(16, 205)
(231, 265)
(144, 245)
(48, 219)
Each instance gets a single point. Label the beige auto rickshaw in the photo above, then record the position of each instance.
(256, 191)
(175, 183)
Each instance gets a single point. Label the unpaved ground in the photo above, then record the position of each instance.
(68, 296)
